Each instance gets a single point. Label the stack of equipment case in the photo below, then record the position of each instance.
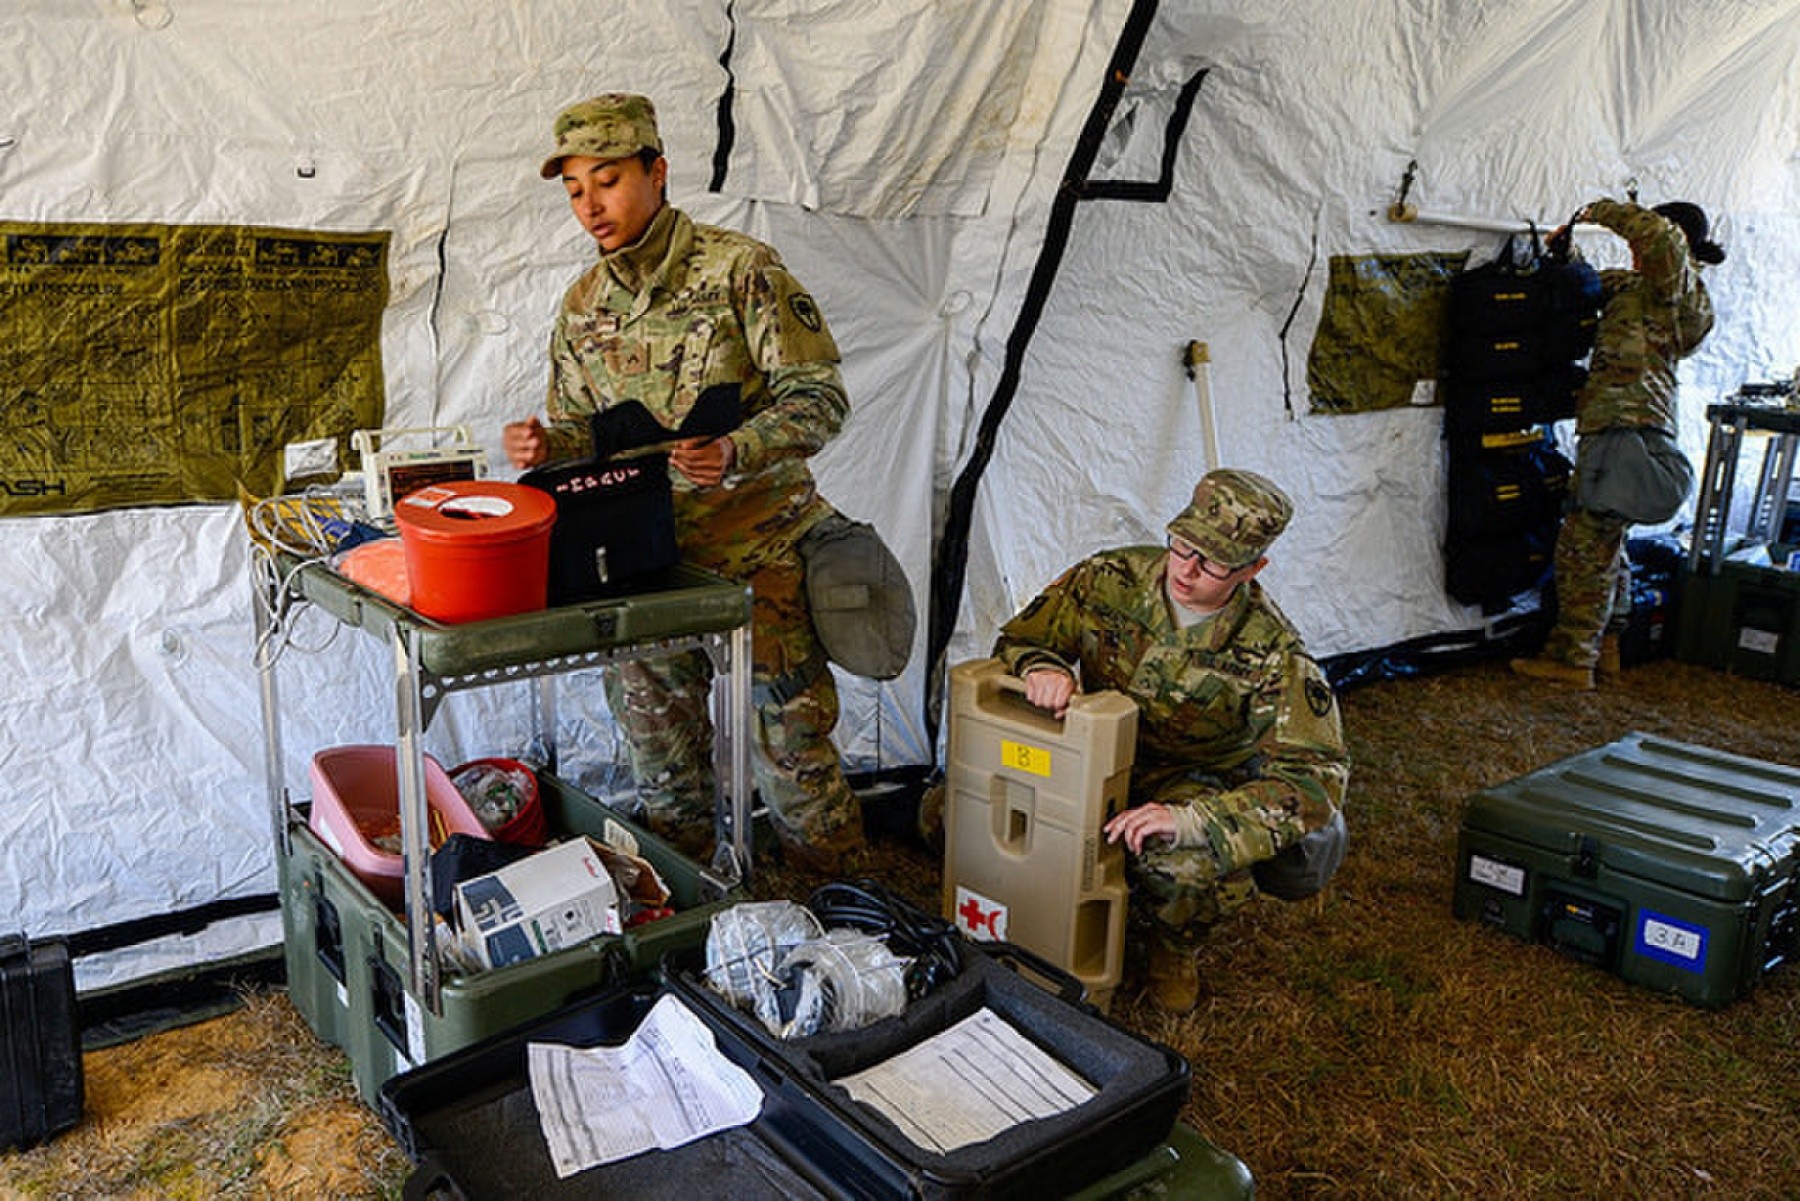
(1672, 866)
(1740, 608)
(470, 1123)
(40, 1048)
(1518, 333)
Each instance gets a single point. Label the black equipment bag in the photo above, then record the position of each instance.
(1657, 563)
(1519, 325)
(1575, 288)
(40, 1041)
(1502, 491)
(1490, 356)
(1657, 559)
(1527, 311)
(622, 428)
(1473, 407)
(1572, 336)
(615, 525)
(615, 511)
(1498, 297)
(1652, 625)
(1490, 571)
(1525, 290)
(1521, 354)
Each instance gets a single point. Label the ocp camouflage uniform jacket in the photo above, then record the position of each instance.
(1235, 698)
(1654, 314)
(686, 307)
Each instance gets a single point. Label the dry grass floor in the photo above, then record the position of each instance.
(1368, 1045)
(1360, 1045)
(246, 1105)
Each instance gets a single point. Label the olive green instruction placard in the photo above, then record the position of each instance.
(1378, 344)
(154, 364)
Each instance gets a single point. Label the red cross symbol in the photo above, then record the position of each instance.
(984, 923)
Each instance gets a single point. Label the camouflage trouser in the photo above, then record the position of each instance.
(661, 704)
(1180, 892)
(1593, 585)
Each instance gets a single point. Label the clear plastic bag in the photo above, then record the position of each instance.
(744, 946)
(496, 793)
(773, 959)
(846, 980)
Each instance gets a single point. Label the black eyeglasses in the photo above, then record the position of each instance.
(1208, 567)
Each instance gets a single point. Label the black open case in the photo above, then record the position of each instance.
(469, 1121)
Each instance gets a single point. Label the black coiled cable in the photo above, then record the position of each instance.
(930, 943)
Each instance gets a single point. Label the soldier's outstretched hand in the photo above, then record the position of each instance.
(1135, 827)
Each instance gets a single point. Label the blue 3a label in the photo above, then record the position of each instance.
(1670, 940)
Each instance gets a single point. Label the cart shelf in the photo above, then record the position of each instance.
(682, 609)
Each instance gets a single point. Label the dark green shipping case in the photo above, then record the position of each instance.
(1744, 619)
(1673, 866)
(348, 956)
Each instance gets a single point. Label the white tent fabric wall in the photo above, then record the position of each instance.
(1304, 126)
(900, 155)
(905, 157)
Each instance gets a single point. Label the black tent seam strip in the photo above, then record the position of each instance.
(182, 921)
(1281, 336)
(1154, 191)
(950, 563)
(721, 165)
(435, 311)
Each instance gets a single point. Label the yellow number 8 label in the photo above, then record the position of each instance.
(1024, 757)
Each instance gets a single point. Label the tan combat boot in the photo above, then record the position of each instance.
(1174, 976)
(1609, 664)
(1556, 671)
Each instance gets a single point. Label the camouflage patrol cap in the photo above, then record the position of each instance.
(613, 125)
(1233, 517)
(1692, 220)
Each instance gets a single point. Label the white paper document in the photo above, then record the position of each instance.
(668, 1084)
(974, 1080)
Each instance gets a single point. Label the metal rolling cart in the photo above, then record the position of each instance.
(1737, 614)
(1759, 411)
(693, 609)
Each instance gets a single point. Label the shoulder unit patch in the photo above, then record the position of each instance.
(805, 311)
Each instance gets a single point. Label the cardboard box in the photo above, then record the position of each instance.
(554, 899)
